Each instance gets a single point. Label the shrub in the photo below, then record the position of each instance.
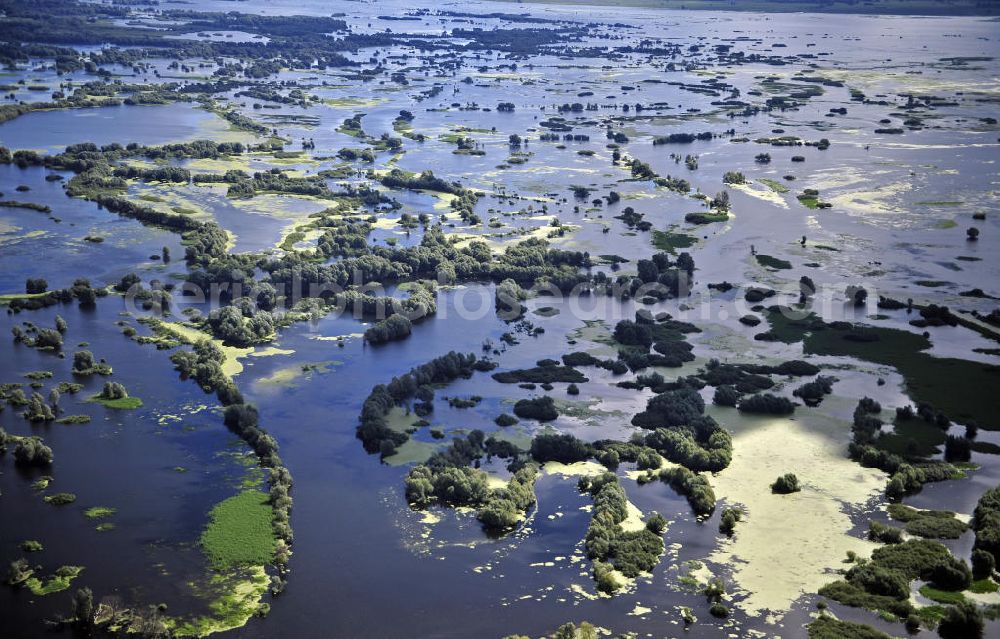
(883, 534)
(113, 390)
(541, 408)
(963, 621)
(394, 327)
(957, 449)
(787, 483)
(30, 451)
(35, 286)
(60, 499)
(726, 396)
(671, 408)
(730, 517)
(766, 404)
(983, 564)
(505, 419)
(563, 448)
(695, 487)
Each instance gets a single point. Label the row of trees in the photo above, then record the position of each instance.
(374, 431)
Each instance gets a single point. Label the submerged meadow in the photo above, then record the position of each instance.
(534, 319)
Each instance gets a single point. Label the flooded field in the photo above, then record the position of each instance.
(374, 320)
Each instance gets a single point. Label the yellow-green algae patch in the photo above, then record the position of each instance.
(271, 351)
(99, 512)
(231, 365)
(576, 469)
(58, 582)
(238, 598)
(787, 545)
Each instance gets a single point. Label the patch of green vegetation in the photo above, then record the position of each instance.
(239, 531)
(809, 201)
(99, 512)
(773, 262)
(983, 586)
(941, 596)
(31, 545)
(60, 499)
(104, 526)
(988, 448)
(826, 627)
(933, 524)
(293, 238)
(58, 582)
(774, 185)
(912, 438)
(706, 218)
(74, 419)
(670, 241)
(36, 375)
(546, 311)
(931, 615)
(122, 403)
(235, 598)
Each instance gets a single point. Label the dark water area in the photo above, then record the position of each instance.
(162, 467)
(53, 131)
(364, 564)
(33, 244)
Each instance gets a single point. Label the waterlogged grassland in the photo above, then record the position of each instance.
(963, 389)
(239, 532)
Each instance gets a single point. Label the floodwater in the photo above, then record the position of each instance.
(364, 564)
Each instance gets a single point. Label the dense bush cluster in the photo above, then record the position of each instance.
(203, 363)
(932, 524)
(986, 523)
(785, 484)
(812, 393)
(31, 451)
(541, 408)
(695, 487)
(610, 546)
(557, 447)
(700, 445)
(766, 404)
(550, 373)
(883, 583)
(395, 327)
(498, 510)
